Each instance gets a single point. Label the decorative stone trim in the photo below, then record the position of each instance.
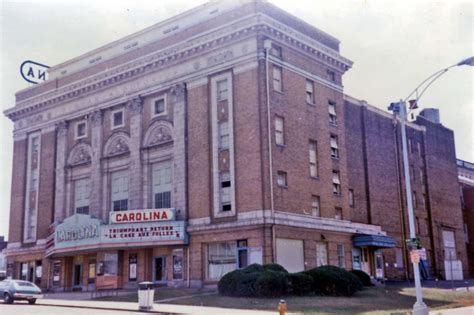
(80, 154)
(158, 133)
(61, 128)
(117, 144)
(96, 118)
(177, 92)
(135, 105)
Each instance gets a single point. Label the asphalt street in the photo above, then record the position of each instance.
(20, 308)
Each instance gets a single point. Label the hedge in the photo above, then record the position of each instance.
(272, 284)
(301, 283)
(331, 280)
(363, 277)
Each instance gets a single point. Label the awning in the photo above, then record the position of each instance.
(374, 241)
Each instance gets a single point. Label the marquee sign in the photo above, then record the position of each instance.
(146, 215)
(82, 230)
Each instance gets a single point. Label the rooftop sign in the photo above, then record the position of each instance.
(33, 72)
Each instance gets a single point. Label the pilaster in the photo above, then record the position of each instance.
(96, 169)
(135, 108)
(60, 209)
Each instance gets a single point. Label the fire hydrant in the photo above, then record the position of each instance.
(282, 307)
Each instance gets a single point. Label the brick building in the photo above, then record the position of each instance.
(215, 139)
(466, 182)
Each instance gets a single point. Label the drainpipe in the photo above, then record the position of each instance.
(189, 283)
(267, 44)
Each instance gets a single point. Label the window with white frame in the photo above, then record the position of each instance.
(118, 119)
(321, 254)
(30, 219)
(221, 259)
(336, 183)
(313, 158)
(82, 191)
(81, 129)
(277, 81)
(224, 135)
(341, 261)
(159, 107)
(315, 206)
(332, 113)
(351, 198)
(338, 213)
(309, 92)
(281, 179)
(276, 51)
(162, 184)
(334, 147)
(279, 130)
(225, 193)
(222, 90)
(119, 190)
(331, 75)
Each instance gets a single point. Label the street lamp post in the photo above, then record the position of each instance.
(400, 109)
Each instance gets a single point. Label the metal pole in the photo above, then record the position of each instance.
(419, 308)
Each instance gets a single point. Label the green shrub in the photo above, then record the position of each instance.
(275, 267)
(301, 283)
(246, 284)
(331, 280)
(228, 283)
(271, 284)
(363, 277)
(253, 268)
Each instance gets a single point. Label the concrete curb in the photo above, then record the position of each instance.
(111, 309)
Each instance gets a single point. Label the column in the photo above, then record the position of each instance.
(95, 208)
(178, 102)
(135, 107)
(60, 210)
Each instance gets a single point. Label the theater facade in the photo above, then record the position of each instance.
(215, 139)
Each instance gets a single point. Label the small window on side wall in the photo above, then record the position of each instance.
(118, 119)
(81, 130)
(159, 107)
(282, 179)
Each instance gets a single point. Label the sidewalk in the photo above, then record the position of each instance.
(455, 311)
(168, 309)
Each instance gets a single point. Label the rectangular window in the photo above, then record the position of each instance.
(423, 202)
(159, 107)
(279, 130)
(313, 159)
(132, 267)
(422, 179)
(309, 92)
(277, 81)
(418, 144)
(282, 180)
(321, 254)
(222, 258)
(351, 198)
(336, 183)
(338, 213)
(415, 201)
(410, 149)
(222, 90)
(224, 135)
(417, 226)
(82, 191)
(331, 75)
(466, 235)
(118, 119)
(341, 262)
(315, 206)
(276, 51)
(334, 147)
(332, 113)
(162, 182)
(398, 258)
(81, 130)
(119, 190)
(413, 175)
(31, 193)
(225, 193)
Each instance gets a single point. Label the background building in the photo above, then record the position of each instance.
(466, 182)
(216, 139)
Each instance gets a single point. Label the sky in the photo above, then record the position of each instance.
(394, 45)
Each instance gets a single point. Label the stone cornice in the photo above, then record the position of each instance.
(215, 38)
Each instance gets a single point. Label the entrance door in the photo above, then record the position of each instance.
(364, 261)
(159, 269)
(356, 259)
(77, 276)
(91, 274)
(31, 272)
(378, 264)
